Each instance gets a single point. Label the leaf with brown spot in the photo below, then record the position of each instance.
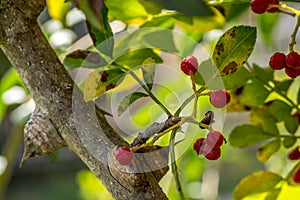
(233, 48)
(84, 58)
(99, 82)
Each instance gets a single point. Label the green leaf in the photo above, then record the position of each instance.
(99, 82)
(148, 69)
(247, 135)
(128, 100)
(253, 94)
(151, 7)
(236, 80)
(266, 24)
(83, 58)
(137, 57)
(208, 75)
(278, 109)
(98, 27)
(273, 194)
(291, 124)
(233, 48)
(143, 38)
(126, 10)
(265, 74)
(262, 119)
(187, 7)
(193, 28)
(258, 182)
(267, 150)
(161, 39)
(289, 141)
(283, 86)
(298, 99)
(163, 21)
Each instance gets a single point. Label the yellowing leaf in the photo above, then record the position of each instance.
(99, 82)
(258, 182)
(58, 9)
(247, 135)
(90, 85)
(267, 150)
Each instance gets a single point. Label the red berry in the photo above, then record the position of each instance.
(189, 64)
(277, 61)
(219, 98)
(273, 2)
(293, 60)
(124, 156)
(292, 72)
(294, 154)
(296, 176)
(259, 6)
(211, 153)
(198, 145)
(214, 139)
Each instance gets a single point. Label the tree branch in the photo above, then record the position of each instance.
(51, 87)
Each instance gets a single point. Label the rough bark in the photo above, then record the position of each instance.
(54, 91)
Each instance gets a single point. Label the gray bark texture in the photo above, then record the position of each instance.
(54, 92)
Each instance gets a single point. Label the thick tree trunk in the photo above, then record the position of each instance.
(54, 91)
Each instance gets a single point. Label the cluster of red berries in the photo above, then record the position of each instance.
(124, 156)
(262, 6)
(219, 98)
(210, 147)
(290, 62)
(295, 155)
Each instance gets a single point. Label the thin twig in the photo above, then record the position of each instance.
(151, 95)
(187, 101)
(174, 165)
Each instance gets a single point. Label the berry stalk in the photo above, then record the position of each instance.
(194, 114)
(293, 36)
(293, 10)
(187, 101)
